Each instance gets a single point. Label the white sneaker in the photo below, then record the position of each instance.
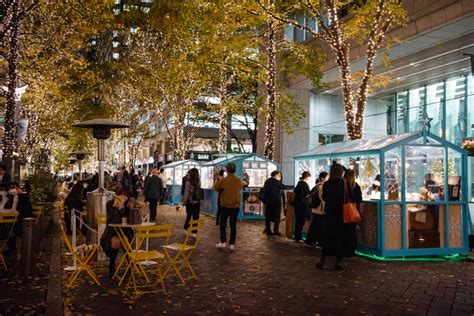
(231, 247)
(194, 235)
(221, 245)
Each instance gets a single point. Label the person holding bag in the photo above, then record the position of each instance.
(192, 198)
(302, 210)
(338, 238)
(317, 208)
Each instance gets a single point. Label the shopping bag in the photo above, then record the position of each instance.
(350, 212)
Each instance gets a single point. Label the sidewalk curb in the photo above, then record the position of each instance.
(54, 298)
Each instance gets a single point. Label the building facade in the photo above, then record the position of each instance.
(430, 75)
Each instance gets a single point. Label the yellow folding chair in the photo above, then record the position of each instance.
(83, 255)
(8, 220)
(184, 250)
(142, 234)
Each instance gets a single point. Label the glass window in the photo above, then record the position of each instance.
(425, 172)
(470, 103)
(454, 175)
(330, 138)
(367, 170)
(393, 174)
(456, 110)
(299, 33)
(434, 107)
(417, 100)
(402, 111)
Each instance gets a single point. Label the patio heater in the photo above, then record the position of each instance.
(80, 155)
(97, 199)
(72, 161)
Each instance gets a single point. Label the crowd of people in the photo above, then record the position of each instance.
(321, 205)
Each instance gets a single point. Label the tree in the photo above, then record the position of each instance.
(370, 21)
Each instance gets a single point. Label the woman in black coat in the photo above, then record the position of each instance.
(116, 209)
(339, 239)
(302, 211)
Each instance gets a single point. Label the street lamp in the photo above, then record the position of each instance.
(80, 156)
(97, 199)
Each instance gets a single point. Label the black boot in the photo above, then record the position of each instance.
(338, 265)
(320, 265)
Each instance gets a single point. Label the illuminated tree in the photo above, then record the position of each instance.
(369, 22)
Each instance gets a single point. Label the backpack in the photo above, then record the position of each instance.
(313, 199)
(196, 195)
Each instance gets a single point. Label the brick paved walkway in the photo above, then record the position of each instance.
(25, 295)
(276, 276)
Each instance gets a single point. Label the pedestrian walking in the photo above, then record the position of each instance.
(338, 238)
(163, 180)
(192, 198)
(134, 183)
(219, 206)
(302, 211)
(314, 235)
(229, 188)
(271, 197)
(152, 191)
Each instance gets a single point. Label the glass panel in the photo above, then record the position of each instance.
(456, 110)
(416, 109)
(393, 174)
(313, 166)
(454, 175)
(425, 225)
(425, 172)
(393, 226)
(169, 176)
(402, 111)
(470, 103)
(434, 107)
(299, 34)
(207, 177)
(368, 176)
(455, 226)
(178, 174)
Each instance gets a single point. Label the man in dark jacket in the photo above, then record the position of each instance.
(4, 176)
(152, 191)
(272, 198)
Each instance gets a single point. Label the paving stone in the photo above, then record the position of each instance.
(269, 276)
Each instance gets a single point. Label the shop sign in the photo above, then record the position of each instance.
(199, 155)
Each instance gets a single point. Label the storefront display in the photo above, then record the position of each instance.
(251, 168)
(414, 192)
(174, 173)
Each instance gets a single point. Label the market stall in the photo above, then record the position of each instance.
(414, 192)
(252, 168)
(174, 173)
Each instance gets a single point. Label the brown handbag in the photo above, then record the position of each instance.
(350, 212)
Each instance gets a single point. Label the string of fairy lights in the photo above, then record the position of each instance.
(9, 136)
(271, 89)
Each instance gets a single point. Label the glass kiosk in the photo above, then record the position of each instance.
(252, 168)
(174, 173)
(414, 192)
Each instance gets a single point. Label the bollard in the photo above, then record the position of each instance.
(26, 259)
(36, 236)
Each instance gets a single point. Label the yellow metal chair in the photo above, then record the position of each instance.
(7, 219)
(142, 234)
(184, 250)
(83, 255)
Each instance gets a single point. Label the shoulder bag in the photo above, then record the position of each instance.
(350, 212)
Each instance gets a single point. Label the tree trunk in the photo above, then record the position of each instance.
(271, 91)
(180, 141)
(223, 121)
(9, 137)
